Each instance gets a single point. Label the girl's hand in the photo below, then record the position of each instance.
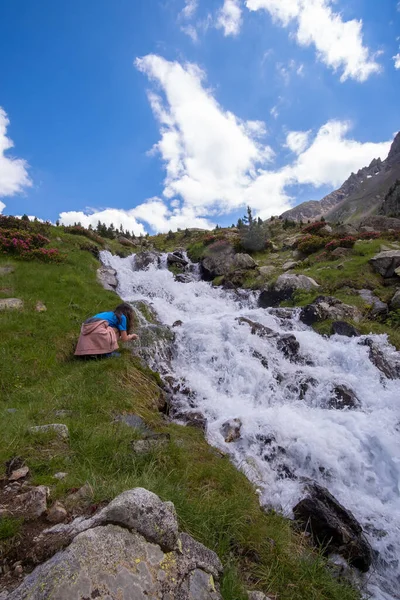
(133, 336)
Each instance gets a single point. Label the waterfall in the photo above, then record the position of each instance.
(289, 432)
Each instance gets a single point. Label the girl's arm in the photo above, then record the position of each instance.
(124, 337)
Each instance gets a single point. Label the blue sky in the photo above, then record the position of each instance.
(160, 114)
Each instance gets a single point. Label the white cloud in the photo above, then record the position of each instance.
(332, 156)
(191, 32)
(339, 43)
(230, 17)
(396, 61)
(189, 9)
(2, 207)
(217, 163)
(154, 212)
(13, 171)
(297, 141)
(286, 70)
(274, 112)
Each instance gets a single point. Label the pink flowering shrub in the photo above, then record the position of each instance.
(27, 245)
(310, 244)
(314, 228)
(346, 242)
(79, 230)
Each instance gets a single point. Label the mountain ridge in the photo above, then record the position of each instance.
(360, 196)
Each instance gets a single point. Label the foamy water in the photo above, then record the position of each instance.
(354, 453)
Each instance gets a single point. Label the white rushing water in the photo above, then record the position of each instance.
(237, 375)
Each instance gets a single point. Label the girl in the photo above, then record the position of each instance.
(99, 334)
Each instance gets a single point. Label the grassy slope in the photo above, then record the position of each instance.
(214, 502)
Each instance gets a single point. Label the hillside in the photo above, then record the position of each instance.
(360, 196)
(42, 383)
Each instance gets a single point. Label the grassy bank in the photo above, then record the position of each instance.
(39, 377)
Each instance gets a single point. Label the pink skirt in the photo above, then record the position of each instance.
(97, 337)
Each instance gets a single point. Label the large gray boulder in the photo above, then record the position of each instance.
(395, 301)
(333, 527)
(386, 263)
(377, 306)
(327, 307)
(284, 288)
(111, 556)
(243, 261)
(108, 278)
(146, 258)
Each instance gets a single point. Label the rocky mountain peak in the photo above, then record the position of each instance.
(394, 153)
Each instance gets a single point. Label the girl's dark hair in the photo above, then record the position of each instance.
(127, 310)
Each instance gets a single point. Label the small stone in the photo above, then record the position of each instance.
(31, 504)
(11, 304)
(150, 444)
(82, 495)
(343, 397)
(57, 513)
(11, 410)
(19, 474)
(40, 307)
(257, 596)
(267, 270)
(177, 323)
(6, 270)
(395, 301)
(60, 475)
(59, 428)
(18, 570)
(291, 264)
(133, 421)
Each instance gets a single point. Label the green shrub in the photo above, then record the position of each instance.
(310, 244)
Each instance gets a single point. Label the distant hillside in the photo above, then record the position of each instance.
(360, 196)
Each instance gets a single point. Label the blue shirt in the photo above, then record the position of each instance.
(112, 320)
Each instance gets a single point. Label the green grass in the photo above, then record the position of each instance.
(215, 502)
(9, 527)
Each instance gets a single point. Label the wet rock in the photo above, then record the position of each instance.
(59, 429)
(183, 278)
(40, 307)
(19, 474)
(283, 313)
(343, 397)
(377, 306)
(263, 360)
(177, 324)
(395, 301)
(231, 430)
(144, 259)
(151, 443)
(191, 418)
(386, 263)
(327, 307)
(57, 513)
(343, 328)
(284, 288)
(30, 504)
(257, 328)
(6, 270)
(11, 304)
(289, 346)
(390, 367)
(333, 527)
(177, 259)
(107, 277)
